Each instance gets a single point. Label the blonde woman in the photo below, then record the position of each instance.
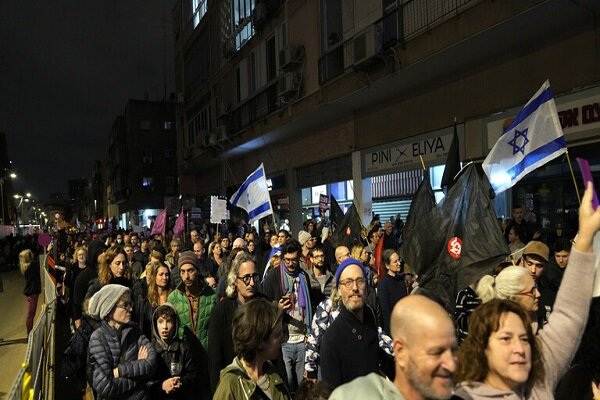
(30, 269)
(147, 300)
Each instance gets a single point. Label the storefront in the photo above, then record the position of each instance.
(549, 192)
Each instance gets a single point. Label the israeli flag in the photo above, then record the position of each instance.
(253, 196)
(534, 138)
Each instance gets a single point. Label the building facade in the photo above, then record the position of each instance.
(353, 98)
(141, 169)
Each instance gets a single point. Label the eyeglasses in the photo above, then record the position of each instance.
(125, 306)
(290, 260)
(349, 283)
(530, 293)
(246, 278)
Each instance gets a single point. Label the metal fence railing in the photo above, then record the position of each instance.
(35, 379)
(399, 24)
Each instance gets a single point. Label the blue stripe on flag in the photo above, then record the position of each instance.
(530, 108)
(259, 210)
(255, 176)
(537, 155)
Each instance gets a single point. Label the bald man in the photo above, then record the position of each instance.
(424, 348)
(341, 253)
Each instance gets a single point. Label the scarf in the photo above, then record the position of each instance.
(303, 295)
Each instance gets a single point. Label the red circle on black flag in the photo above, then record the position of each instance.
(455, 247)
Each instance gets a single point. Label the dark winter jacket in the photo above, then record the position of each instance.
(175, 351)
(33, 283)
(111, 348)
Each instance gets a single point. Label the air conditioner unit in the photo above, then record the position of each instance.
(288, 83)
(367, 44)
(259, 14)
(290, 57)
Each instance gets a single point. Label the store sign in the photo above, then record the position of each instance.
(280, 202)
(581, 115)
(432, 147)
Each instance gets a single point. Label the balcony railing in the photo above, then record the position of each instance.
(409, 20)
(254, 109)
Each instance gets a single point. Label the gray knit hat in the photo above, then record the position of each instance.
(303, 237)
(187, 257)
(102, 303)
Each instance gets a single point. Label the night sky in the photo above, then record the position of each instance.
(67, 69)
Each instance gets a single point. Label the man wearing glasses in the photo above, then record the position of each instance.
(242, 286)
(350, 345)
(289, 286)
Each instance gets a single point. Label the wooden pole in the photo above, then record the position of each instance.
(573, 176)
(422, 161)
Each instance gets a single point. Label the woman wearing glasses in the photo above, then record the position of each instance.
(558, 339)
(242, 286)
(120, 358)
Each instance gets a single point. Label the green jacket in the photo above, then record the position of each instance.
(235, 384)
(207, 300)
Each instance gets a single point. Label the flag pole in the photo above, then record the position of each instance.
(573, 176)
(422, 161)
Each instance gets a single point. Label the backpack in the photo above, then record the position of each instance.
(74, 361)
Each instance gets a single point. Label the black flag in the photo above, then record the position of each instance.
(422, 204)
(348, 231)
(452, 167)
(460, 239)
(336, 215)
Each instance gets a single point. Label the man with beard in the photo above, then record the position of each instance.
(242, 286)
(425, 356)
(350, 346)
(321, 280)
(192, 299)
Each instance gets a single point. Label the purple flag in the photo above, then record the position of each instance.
(179, 224)
(159, 223)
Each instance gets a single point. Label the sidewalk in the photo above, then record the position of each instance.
(13, 333)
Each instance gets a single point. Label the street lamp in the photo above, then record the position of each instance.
(12, 175)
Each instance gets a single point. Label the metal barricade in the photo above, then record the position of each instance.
(35, 379)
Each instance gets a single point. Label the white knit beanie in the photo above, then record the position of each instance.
(102, 303)
(303, 237)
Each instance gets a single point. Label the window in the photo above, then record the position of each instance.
(147, 182)
(145, 125)
(170, 180)
(168, 125)
(199, 8)
(243, 29)
(168, 153)
(147, 157)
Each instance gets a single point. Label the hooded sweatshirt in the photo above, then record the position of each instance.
(174, 350)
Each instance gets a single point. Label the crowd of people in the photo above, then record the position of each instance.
(287, 315)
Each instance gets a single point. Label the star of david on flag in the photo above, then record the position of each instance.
(534, 138)
(253, 196)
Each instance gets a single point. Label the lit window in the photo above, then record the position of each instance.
(199, 8)
(168, 125)
(147, 181)
(243, 29)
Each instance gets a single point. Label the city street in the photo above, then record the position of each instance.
(13, 334)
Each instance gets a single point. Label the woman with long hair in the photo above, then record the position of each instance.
(112, 269)
(158, 281)
(30, 269)
(501, 355)
(214, 259)
(560, 337)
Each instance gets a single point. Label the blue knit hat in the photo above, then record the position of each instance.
(346, 263)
